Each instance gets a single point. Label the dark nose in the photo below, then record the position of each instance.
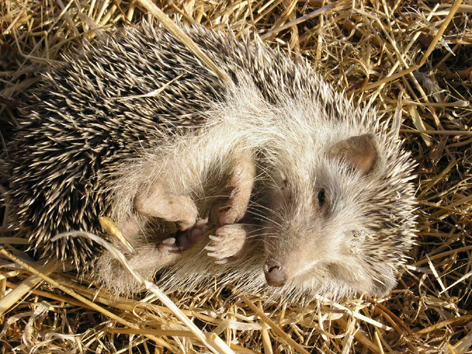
(275, 273)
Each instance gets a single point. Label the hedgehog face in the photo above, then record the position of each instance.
(316, 220)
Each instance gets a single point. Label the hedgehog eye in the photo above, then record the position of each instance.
(321, 198)
(283, 181)
(284, 185)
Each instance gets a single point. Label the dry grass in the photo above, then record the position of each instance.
(408, 50)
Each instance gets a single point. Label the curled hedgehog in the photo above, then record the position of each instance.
(275, 180)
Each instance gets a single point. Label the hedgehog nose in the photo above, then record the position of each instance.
(275, 273)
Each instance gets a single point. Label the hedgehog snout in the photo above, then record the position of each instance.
(275, 272)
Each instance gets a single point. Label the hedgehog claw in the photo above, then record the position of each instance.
(223, 261)
(171, 241)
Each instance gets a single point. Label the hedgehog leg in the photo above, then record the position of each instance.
(169, 250)
(230, 243)
(146, 259)
(156, 202)
(241, 183)
(154, 256)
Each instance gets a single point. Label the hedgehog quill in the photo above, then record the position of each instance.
(275, 182)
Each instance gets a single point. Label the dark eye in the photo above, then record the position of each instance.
(284, 184)
(321, 198)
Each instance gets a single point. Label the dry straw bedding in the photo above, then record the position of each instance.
(414, 55)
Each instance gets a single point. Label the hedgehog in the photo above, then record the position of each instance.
(273, 183)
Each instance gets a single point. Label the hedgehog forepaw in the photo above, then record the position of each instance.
(230, 243)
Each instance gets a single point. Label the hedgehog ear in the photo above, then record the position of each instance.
(358, 151)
